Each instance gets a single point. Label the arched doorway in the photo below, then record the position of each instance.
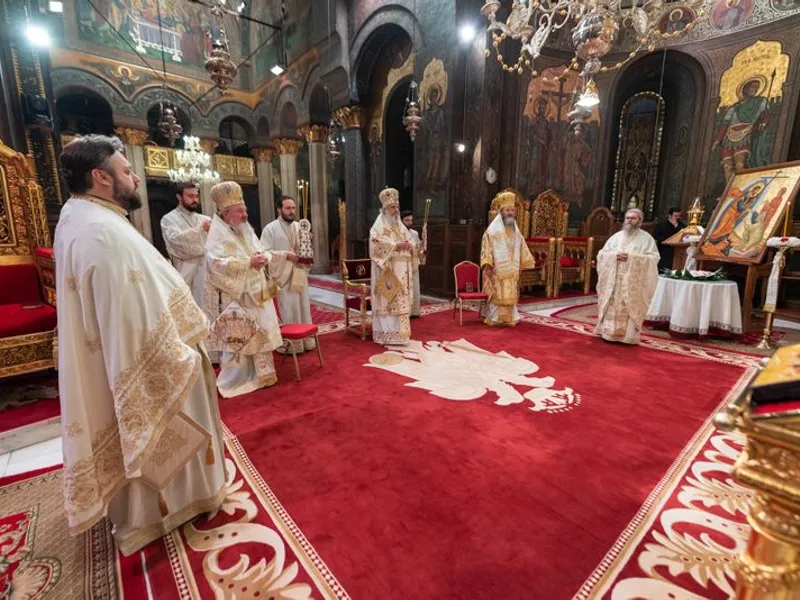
(399, 164)
(84, 112)
(666, 133)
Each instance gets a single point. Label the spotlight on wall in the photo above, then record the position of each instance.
(38, 36)
(55, 6)
(277, 70)
(467, 33)
(461, 147)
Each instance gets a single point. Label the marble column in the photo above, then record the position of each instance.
(134, 140)
(287, 151)
(356, 196)
(266, 193)
(208, 145)
(317, 137)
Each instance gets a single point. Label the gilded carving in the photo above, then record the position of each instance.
(314, 134)
(158, 160)
(263, 154)
(348, 116)
(549, 218)
(209, 145)
(245, 170)
(225, 166)
(26, 353)
(287, 145)
(131, 135)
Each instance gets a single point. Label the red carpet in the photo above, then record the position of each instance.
(338, 286)
(28, 399)
(409, 495)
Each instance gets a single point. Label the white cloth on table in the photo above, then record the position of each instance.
(696, 306)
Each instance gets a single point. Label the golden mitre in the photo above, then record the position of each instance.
(227, 194)
(389, 196)
(506, 200)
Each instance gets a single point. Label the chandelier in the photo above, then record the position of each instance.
(219, 64)
(595, 27)
(168, 125)
(412, 115)
(335, 139)
(193, 164)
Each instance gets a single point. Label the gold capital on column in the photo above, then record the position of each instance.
(348, 116)
(263, 154)
(131, 135)
(209, 145)
(314, 134)
(287, 145)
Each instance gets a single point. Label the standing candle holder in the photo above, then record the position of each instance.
(784, 245)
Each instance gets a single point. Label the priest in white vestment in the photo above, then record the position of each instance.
(283, 234)
(390, 248)
(627, 275)
(247, 328)
(419, 255)
(503, 254)
(185, 231)
(141, 433)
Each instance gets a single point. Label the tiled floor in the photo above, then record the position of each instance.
(37, 456)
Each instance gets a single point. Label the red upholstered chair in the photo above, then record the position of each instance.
(27, 286)
(574, 259)
(297, 332)
(468, 287)
(543, 250)
(357, 280)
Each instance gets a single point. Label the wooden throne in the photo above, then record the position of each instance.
(27, 270)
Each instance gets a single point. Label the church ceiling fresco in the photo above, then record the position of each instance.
(751, 92)
(297, 34)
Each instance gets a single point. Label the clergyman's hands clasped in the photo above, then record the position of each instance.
(258, 260)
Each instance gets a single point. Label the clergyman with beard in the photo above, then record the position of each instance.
(247, 329)
(133, 372)
(185, 231)
(504, 254)
(392, 287)
(283, 234)
(627, 275)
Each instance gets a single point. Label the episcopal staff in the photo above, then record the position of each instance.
(627, 273)
(133, 375)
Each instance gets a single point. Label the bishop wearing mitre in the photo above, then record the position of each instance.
(503, 254)
(390, 248)
(185, 231)
(247, 329)
(284, 234)
(141, 433)
(627, 275)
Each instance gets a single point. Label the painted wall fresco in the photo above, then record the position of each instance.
(751, 91)
(433, 95)
(297, 34)
(551, 156)
(187, 28)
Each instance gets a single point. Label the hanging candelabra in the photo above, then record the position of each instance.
(193, 164)
(412, 116)
(219, 64)
(335, 140)
(168, 124)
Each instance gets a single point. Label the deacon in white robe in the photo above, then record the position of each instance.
(503, 254)
(291, 275)
(185, 231)
(141, 433)
(247, 329)
(419, 255)
(390, 248)
(627, 275)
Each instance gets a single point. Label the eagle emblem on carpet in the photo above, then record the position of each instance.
(462, 371)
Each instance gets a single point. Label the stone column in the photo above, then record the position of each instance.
(208, 145)
(355, 176)
(266, 193)
(317, 137)
(134, 140)
(287, 150)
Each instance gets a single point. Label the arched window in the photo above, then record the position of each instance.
(84, 112)
(636, 173)
(234, 137)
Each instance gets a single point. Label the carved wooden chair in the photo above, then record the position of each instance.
(356, 281)
(543, 250)
(27, 270)
(599, 225)
(572, 259)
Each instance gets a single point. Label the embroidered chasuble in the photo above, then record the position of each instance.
(140, 422)
(625, 289)
(247, 329)
(185, 239)
(418, 258)
(504, 249)
(392, 281)
(292, 279)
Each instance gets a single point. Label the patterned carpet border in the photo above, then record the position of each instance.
(624, 549)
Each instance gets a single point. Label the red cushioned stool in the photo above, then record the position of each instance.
(298, 332)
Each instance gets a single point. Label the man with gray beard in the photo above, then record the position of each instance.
(247, 329)
(627, 272)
